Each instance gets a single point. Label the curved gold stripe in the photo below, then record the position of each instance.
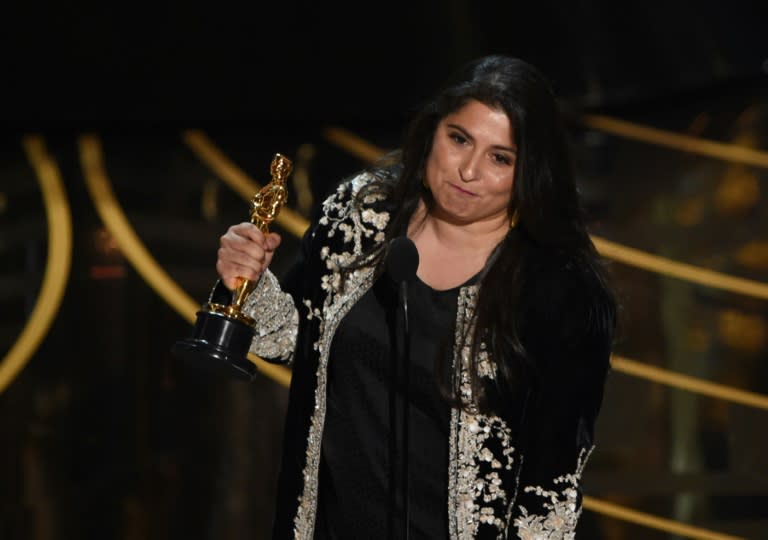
(114, 219)
(57, 265)
(677, 141)
(653, 522)
(210, 155)
(686, 382)
(686, 272)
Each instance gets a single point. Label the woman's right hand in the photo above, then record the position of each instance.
(244, 252)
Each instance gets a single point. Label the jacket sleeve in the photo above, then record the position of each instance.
(548, 503)
(276, 320)
(273, 306)
(572, 348)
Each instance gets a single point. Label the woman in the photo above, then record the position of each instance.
(511, 319)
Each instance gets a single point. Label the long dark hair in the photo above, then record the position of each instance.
(551, 222)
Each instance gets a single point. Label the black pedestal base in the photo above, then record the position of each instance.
(219, 344)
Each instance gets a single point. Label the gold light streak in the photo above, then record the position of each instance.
(676, 141)
(689, 383)
(686, 272)
(353, 144)
(653, 522)
(57, 265)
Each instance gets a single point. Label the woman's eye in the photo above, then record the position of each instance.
(458, 137)
(502, 159)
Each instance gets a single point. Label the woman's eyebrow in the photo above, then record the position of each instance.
(512, 149)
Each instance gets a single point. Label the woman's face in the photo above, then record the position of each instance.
(470, 169)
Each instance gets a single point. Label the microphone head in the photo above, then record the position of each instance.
(402, 259)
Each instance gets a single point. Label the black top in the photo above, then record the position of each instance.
(353, 486)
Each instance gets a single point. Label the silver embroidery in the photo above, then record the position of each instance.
(485, 366)
(563, 507)
(476, 490)
(277, 320)
(341, 216)
(479, 491)
(466, 306)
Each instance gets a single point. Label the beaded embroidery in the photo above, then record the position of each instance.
(563, 507)
(481, 455)
(277, 320)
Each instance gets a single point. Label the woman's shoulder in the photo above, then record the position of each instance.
(561, 270)
(368, 189)
(349, 186)
(354, 213)
(365, 186)
(571, 319)
(573, 286)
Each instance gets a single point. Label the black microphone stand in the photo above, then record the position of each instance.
(400, 373)
(392, 501)
(403, 262)
(405, 355)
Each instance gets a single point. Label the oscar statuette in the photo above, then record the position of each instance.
(222, 333)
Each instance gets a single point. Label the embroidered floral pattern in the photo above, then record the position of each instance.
(481, 452)
(484, 459)
(564, 508)
(346, 219)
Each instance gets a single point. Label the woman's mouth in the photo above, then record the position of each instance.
(463, 191)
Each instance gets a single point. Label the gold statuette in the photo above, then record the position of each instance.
(265, 206)
(223, 333)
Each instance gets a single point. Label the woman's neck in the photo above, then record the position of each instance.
(451, 253)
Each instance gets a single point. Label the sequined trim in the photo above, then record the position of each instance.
(341, 217)
(564, 507)
(277, 320)
(481, 455)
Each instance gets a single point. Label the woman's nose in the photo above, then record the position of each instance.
(469, 168)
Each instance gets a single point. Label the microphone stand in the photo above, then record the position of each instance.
(400, 372)
(402, 264)
(392, 501)
(405, 354)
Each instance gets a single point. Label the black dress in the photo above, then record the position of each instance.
(354, 467)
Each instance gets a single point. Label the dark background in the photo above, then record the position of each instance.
(260, 65)
(106, 436)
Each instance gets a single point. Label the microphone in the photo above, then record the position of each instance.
(402, 259)
(402, 263)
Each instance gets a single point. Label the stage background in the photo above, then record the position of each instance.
(137, 129)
